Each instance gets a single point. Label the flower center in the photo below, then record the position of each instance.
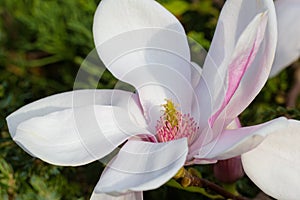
(173, 124)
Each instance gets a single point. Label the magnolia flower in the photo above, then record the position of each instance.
(288, 45)
(178, 114)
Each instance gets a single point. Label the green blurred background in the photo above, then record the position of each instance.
(43, 43)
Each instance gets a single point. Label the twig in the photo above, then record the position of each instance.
(218, 189)
(188, 178)
(295, 90)
(219, 3)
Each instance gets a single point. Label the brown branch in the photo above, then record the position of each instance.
(188, 178)
(295, 90)
(218, 189)
(218, 3)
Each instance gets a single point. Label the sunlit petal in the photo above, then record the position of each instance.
(274, 165)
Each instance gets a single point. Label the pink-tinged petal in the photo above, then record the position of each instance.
(274, 165)
(143, 166)
(288, 45)
(234, 142)
(207, 136)
(257, 74)
(234, 18)
(127, 196)
(76, 136)
(145, 46)
(243, 56)
(236, 15)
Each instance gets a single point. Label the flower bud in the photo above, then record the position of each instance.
(229, 171)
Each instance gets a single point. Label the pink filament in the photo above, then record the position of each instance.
(186, 127)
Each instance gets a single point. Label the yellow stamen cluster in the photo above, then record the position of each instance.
(170, 113)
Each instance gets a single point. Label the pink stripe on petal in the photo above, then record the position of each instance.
(245, 53)
(236, 71)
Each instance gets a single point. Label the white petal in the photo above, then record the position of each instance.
(143, 166)
(66, 129)
(76, 136)
(288, 45)
(234, 142)
(73, 99)
(146, 46)
(196, 74)
(127, 196)
(126, 15)
(195, 78)
(274, 166)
